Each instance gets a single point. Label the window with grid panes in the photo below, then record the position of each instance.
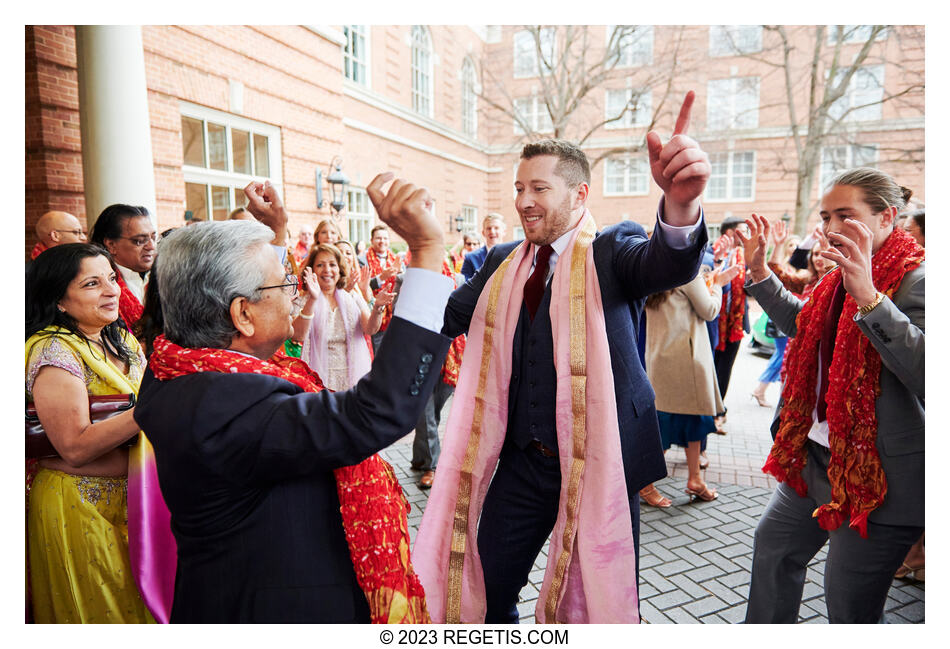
(469, 99)
(634, 44)
(535, 114)
(526, 62)
(835, 159)
(469, 218)
(359, 215)
(421, 71)
(861, 100)
(355, 60)
(733, 176)
(732, 40)
(638, 115)
(627, 175)
(221, 154)
(732, 103)
(853, 33)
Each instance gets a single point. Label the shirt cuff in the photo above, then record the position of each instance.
(680, 237)
(423, 297)
(281, 253)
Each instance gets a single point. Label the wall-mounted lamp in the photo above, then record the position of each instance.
(459, 222)
(337, 181)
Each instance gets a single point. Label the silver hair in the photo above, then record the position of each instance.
(202, 269)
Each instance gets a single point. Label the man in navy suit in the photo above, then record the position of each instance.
(493, 229)
(552, 188)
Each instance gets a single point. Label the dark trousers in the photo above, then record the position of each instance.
(518, 516)
(858, 572)
(724, 360)
(425, 444)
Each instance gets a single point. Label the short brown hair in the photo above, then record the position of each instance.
(376, 228)
(572, 163)
(333, 250)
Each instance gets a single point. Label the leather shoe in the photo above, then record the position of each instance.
(425, 482)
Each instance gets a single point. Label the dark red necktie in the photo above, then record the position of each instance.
(534, 287)
(828, 335)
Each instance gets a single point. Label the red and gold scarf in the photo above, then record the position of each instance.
(37, 249)
(371, 502)
(858, 484)
(733, 301)
(129, 306)
(375, 268)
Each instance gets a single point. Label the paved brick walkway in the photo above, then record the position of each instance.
(695, 558)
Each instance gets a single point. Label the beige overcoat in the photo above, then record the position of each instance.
(679, 357)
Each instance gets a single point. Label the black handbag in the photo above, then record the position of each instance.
(101, 408)
(772, 331)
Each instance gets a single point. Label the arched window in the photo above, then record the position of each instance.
(469, 99)
(421, 71)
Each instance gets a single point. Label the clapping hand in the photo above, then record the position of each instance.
(754, 245)
(851, 249)
(383, 299)
(722, 275)
(680, 168)
(310, 284)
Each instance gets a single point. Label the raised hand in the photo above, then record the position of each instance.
(407, 209)
(851, 250)
(779, 233)
(680, 168)
(383, 299)
(263, 201)
(754, 245)
(310, 284)
(723, 275)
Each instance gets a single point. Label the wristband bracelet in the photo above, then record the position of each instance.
(867, 308)
(306, 317)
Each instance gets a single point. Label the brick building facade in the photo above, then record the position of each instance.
(230, 103)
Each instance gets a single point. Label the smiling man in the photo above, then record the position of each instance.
(273, 485)
(493, 229)
(552, 389)
(128, 233)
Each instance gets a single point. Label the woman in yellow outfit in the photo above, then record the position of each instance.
(78, 546)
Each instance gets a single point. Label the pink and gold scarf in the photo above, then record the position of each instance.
(591, 569)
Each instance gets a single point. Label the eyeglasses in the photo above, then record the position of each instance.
(78, 233)
(290, 288)
(142, 239)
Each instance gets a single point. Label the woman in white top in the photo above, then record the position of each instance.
(332, 324)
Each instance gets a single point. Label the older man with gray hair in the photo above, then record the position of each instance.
(273, 485)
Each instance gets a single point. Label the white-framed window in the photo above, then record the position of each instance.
(637, 115)
(526, 53)
(359, 215)
(733, 176)
(733, 40)
(861, 102)
(469, 218)
(221, 154)
(469, 98)
(626, 176)
(853, 33)
(534, 112)
(732, 103)
(634, 46)
(356, 54)
(835, 159)
(517, 233)
(421, 70)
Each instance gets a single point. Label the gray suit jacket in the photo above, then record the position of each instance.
(896, 329)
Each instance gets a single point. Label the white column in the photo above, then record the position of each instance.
(117, 162)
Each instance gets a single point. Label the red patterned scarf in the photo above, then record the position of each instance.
(129, 306)
(371, 502)
(453, 360)
(375, 268)
(37, 249)
(733, 301)
(858, 484)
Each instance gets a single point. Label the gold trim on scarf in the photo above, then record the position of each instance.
(453, 608)
(578, 351)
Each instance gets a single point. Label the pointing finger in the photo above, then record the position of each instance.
(682, 122)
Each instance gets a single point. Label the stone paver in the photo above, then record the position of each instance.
(695, 557)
